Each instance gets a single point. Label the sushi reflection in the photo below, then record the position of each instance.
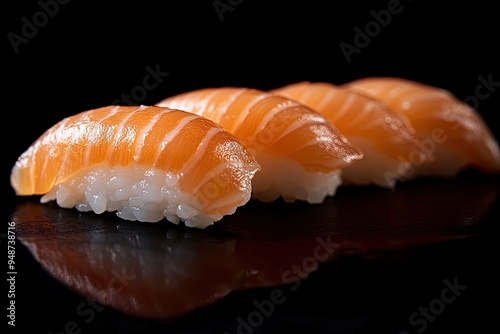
(140, 270)
(152, 270)
(163, 271)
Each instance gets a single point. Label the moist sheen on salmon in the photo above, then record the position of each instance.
(300, 152)
(448, 128)
(385, 136)
(146, 163)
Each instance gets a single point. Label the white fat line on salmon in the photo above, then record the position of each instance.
(202, 107)
(346, 106)
(245, 112)
(329, 96)
(58, 131)
(96, 134)
(388, 118)
(397, 91)
(167, 139)
(141, 136)
(231, 200)
(372, 89)
(427, 96)
(282, 133)
(306, 94)
(200, 150)
(207, 109)
(184, 104)
(362, 115)
(222, 110)
(118, 138)
(192, 104)
(274, 114)
(210, 186)
(326, 138)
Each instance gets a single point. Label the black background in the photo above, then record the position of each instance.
(90, 52)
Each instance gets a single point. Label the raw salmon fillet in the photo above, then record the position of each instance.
(385, 137)
(146, 163)
(301, 153)
(449, 129)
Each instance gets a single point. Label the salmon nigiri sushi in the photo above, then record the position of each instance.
(300, 152)
(144, 163)
(449, 129)
(385, 137)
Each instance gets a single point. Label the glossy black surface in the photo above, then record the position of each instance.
(269, 264)
(395, 249)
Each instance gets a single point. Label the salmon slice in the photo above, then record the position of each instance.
(146, 163)
(446, 127)
(300, 152)
(385, 137)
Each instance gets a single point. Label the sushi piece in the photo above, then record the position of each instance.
(300, 152)
(449, 129)
(385, 137)
(145, 163)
